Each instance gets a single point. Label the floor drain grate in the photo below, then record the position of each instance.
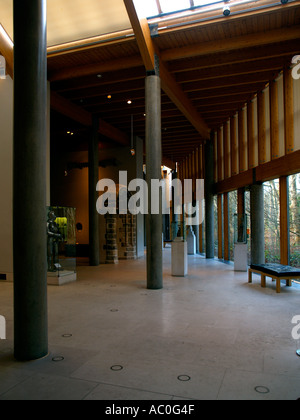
(184, 378)
(58, 359)
(262, 389)
(116, 368)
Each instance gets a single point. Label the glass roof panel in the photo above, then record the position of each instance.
(150, 8)
(146, 8)
(170, 6)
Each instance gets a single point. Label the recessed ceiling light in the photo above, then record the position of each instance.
(108, 96)
(129, 102)
(99, 76)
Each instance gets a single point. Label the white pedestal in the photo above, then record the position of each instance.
(64, 277)
(179, 258)
(191, 243)
(240, 257)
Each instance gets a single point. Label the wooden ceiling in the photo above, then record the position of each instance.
(216, 64)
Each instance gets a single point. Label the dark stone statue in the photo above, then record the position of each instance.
(53, 239)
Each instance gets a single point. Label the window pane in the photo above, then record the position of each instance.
(169, 6)
(272, 221)
(203, 2)
(146, 8)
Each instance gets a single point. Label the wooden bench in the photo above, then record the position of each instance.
(277, 272)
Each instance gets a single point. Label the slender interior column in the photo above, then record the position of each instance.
(284, 221)
(257, 224)
(29, 187)
(209, 197)
(94, 240)
(153, 171)
(174, 228)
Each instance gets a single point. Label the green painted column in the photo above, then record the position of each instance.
(29, 185)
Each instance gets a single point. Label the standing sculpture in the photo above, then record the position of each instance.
(53, 239)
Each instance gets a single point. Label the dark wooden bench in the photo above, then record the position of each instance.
(277, 272)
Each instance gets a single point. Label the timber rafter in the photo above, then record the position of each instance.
(149, 53)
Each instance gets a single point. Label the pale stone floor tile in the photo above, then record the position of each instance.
(242, 385)
(226, 336)
(49, 387)
(104, 392)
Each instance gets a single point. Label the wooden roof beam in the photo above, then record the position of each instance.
(169, 85)
(283, 49)
(6, 49)
(230, 44)
(143, 36)
(67, 108)
(71, 110)
(90, 69)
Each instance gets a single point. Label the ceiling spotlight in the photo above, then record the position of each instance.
(226, 10)
(129, 102)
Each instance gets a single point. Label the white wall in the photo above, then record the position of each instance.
(6, 175)
(6, 142)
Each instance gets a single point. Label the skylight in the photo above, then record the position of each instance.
(150, 8)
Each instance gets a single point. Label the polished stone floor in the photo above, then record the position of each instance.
(210, 335)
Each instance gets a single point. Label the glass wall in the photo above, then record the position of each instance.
(232, 211)
(294, 219)
(216, 242)
(272, 221)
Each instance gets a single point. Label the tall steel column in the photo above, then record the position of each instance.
(153, 168)
(29, 196)
(209, 197)
(94, 241)
(257, 224)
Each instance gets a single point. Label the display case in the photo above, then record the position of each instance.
(61, 245)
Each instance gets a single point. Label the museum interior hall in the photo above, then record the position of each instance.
(150, 200)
